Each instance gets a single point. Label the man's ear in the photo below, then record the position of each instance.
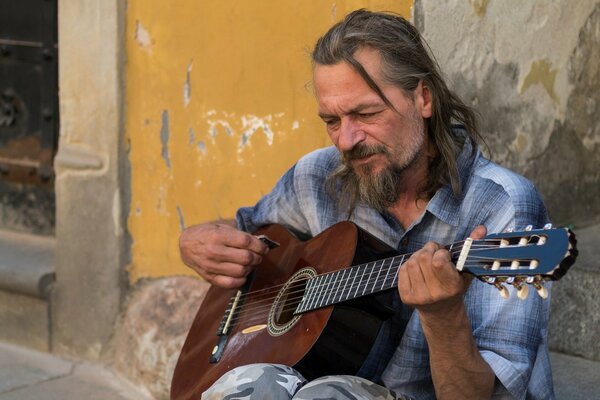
(423, 100)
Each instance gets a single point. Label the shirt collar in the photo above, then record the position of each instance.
(445, 205)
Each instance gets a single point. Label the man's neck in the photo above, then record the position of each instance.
(410, 205)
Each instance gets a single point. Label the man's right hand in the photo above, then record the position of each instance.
(220, 253)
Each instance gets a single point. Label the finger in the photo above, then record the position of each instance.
(411, 283)
(479, 232)
(227, 282)
(244, 240)
(212, 268)
(238, 256)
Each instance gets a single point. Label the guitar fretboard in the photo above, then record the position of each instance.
(350, 283)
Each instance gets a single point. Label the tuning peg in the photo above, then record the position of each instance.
(548, 226)
(502, 289)
(541, 290)
(522, 290)
(509, 230)
(528, 228)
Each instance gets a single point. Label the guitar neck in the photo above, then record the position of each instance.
(350, 283)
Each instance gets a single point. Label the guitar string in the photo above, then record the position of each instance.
(316, 289)
(361, 283)
(261, 314)
(270, 289)
(255, 307)
(455, 250)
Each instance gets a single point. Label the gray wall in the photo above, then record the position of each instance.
(531, 68)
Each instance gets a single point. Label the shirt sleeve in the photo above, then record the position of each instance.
(511, 333)
(300, 200)
(280, 206)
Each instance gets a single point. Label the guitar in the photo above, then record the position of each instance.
(304, 307)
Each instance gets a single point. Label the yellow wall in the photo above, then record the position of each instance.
(217, 108)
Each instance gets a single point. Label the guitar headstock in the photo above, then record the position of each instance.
(529, 257)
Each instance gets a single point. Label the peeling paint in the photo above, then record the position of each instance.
(164, 137)
(251, 124)
(161, 206)
(202, 147)
(479, 6)
(187, 86)
(541, 73)
(295, 125)
(142, 36)
(181, 220)
(248, 125)
(191, 136)
(215, 124)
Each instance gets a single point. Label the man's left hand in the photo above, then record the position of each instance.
(429, 280)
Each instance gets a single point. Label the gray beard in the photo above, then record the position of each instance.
(379, 191)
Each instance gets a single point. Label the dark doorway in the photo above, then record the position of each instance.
(28, 114)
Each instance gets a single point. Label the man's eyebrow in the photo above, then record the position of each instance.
(359, 108)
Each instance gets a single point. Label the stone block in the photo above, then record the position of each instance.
(24, 320)
(575, 316)
(152, 330)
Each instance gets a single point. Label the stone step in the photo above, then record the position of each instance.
(26, 277)
(26, 263)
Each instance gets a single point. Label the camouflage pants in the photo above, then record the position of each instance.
(280, 382)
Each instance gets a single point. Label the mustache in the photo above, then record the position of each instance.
(362, 151)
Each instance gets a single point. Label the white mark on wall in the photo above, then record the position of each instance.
(213, 127)
(187, 85)
(245, 126)
(142, 36)
(250, 125)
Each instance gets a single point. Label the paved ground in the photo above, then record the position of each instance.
(29, 375)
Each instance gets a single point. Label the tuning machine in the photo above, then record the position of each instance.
(538, 283)
(521, 287)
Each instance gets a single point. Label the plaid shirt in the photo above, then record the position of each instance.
(511, 334)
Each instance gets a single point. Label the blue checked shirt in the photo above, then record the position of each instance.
(511, 334)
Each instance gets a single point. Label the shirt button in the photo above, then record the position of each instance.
(405, 242)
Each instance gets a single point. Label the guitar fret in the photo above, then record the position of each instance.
(395, 267)
(308, 292)
(386, 274)
(324, 289)
(352, 284)
(341, 285)
(314, 293)
(334, 284)
(376, 280)
(362, 279)
(368, 280)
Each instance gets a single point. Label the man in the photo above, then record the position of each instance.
(401, 170)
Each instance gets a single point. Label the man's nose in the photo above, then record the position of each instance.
(351, 133)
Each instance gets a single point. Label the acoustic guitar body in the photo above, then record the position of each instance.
(329, 340)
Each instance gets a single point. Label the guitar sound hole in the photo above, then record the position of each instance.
(288, 302)
(281, 316)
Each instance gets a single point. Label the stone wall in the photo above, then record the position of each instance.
(531, 69)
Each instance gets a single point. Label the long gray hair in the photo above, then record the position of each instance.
(405, 62)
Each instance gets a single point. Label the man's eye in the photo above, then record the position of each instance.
(366, 115)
